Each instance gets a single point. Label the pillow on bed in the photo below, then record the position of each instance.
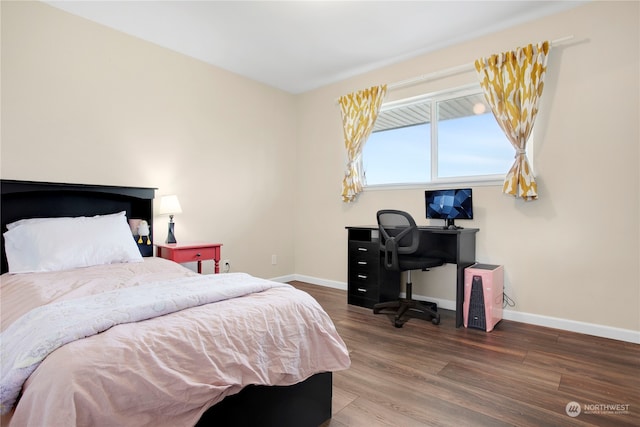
(54, 244)
(62, 218)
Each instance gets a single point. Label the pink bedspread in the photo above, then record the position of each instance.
(168, 370)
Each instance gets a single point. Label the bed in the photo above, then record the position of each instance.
(161, 344)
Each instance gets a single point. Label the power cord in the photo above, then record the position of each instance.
(507, 301)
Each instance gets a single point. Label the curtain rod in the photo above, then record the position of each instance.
(450, 71)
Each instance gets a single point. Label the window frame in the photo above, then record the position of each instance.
(443, 182)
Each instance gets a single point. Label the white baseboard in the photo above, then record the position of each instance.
(516, 316)
(574, 326)
(286, 279)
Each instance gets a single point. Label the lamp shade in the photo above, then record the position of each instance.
(169, 205)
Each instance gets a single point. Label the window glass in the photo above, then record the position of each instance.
(470, 141)
(398, 156)
(450, 136)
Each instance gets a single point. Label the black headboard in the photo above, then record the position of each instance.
(31, 199)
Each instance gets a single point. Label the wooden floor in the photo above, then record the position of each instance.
(516, 375)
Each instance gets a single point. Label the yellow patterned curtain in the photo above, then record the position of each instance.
(359, 112)
(512, 84)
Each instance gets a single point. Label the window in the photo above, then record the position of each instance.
(447, 137)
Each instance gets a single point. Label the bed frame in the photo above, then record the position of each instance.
(29, 199)
(307, 403)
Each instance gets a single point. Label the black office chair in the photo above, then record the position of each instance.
(400, 241)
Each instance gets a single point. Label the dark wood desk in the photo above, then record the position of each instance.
(369, 282)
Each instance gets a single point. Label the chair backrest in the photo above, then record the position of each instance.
(399, 235)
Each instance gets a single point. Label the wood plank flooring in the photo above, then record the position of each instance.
(516, 375)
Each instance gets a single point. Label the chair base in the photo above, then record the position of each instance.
(404, 309)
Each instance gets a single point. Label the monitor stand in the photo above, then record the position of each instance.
(450, 225)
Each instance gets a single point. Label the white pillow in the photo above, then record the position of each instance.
(60, 218)
(54, 244)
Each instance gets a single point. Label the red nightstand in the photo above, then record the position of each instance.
(190, 252)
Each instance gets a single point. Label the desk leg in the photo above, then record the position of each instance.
(199, 267)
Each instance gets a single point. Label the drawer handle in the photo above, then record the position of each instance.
(362, 262)
(198, 255)
(362, 290)
(361, 276)
(362, 249)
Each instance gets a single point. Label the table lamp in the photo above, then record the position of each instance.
(171, 206)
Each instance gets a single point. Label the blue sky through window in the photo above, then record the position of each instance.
(473, 145)
(400, 155)
(467, 146)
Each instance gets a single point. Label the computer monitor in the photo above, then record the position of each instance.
(449, 205)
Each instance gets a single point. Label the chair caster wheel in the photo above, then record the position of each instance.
(435, 320)
(398, 324)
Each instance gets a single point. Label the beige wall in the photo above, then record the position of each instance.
(84, 103)
(260, 170)
(574, 253)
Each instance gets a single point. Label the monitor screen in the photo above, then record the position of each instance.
(449, 204)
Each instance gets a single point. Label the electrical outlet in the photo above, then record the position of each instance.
(226, 265)
(274, 259)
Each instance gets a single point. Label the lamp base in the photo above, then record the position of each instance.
(171, 237)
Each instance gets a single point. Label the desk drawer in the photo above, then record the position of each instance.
(369, 282)
(364, 265)
(361, 301)
(364, 251)
(363, 257)
(363, 283)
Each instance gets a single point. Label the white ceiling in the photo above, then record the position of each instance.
(297, 46)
